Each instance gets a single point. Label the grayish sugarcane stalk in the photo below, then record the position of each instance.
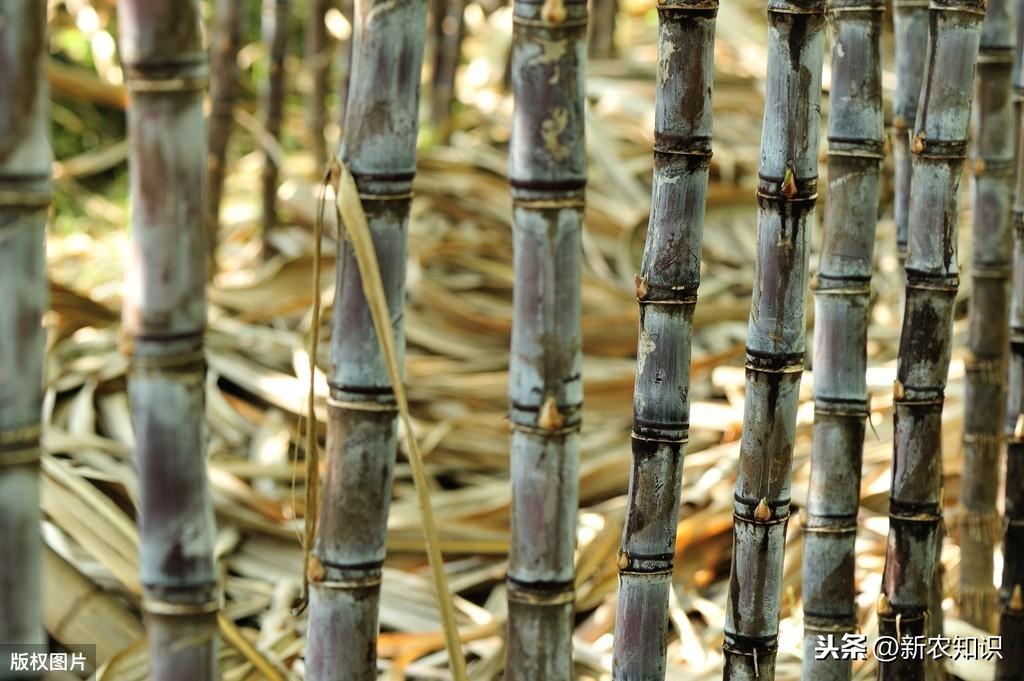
(227, 36)
(379, 146)
(1011, 598)
(938, 146)
(667, 294)
(164, 316)
(275, 37)
(344, 64)
(910, 32)
(318, 60)
(985, 399)
(841, 302)
(448, 29)
(787, 191)
(24, 200)
(548, 175)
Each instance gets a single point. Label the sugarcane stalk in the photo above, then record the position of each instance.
(274, 28)
(447, 29)
(379, 146)
(935, 665)
(841, 302)
(985, 394)
(547, 176)
(910, 33)
(24, 200)
(603, 14)
(164, 316)
(1011, 598)
(224, 44)
(667, 294)
(318, 60)
(938, 150)
(787, 191)
(344, 65)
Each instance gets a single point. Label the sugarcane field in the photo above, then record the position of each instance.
(522, 340)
